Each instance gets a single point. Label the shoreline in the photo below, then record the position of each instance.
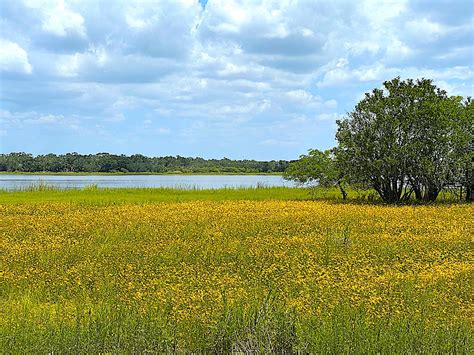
(46, 173)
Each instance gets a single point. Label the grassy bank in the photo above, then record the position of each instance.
(94, 195)
(231, 270)
(40, 193)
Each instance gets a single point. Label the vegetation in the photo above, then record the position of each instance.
(137, 163)
(317, 168)
(177, 271)
(92, 195)
(408, 138)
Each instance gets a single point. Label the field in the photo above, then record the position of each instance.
(232, 270)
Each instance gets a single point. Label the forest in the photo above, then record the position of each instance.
(137, 163)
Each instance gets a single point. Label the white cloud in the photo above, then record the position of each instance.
(230, 69)
(45, 119)
(58, 18)
(425, 29)
(135, 22)
(33, 118)
(397, 50)
(303, 97)
(462, 89)
(13, 58)
(68, 65)
(380, 12)
(337, 75)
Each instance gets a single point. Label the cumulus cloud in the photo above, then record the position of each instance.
(236, 71)
(58, 19)
(24, 121)
(13, 58)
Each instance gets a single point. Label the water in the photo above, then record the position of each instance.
(19, 182)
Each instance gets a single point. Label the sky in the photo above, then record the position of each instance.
(219, 78)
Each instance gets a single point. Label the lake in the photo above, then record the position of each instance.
(19, 182)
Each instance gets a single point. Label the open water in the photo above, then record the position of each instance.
(19, 182)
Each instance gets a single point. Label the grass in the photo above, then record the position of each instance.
(94, 195)
(232, 270)
(43, 192)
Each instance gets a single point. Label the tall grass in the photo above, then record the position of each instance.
(92, 194)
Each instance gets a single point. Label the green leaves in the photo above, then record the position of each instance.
(408, 137)
(316, 167)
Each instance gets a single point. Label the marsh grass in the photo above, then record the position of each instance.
(257, 327)
(94, 195)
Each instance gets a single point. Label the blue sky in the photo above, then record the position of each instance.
(240, 79)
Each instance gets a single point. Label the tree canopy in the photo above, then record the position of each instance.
(317, 167)
(137, 163)
(407, 138)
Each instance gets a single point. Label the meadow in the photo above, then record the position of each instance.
(250, 270)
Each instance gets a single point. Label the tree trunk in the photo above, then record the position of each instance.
(418, 194)
(470, 193)
(470, 183)
(431, 194)
(386, 192)
(343, 192)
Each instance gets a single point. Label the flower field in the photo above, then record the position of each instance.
(223, 276)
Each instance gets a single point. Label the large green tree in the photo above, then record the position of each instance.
(402, 139)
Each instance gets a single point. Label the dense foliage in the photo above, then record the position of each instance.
(318, 168)
(104, 162)
(407, 139)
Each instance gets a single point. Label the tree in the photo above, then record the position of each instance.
(463, 171)
(469, 155)
(105, 162)
(318, 167)
(401, 139)
(18, 162)
(438, 138)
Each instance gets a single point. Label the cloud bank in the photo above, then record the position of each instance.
(242, 79)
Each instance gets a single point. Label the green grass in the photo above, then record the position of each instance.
(103, 196)
(264, 327)
(94, 195)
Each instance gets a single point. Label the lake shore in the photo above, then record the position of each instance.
(129, 173)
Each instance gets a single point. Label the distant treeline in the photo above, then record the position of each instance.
(137, 163)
